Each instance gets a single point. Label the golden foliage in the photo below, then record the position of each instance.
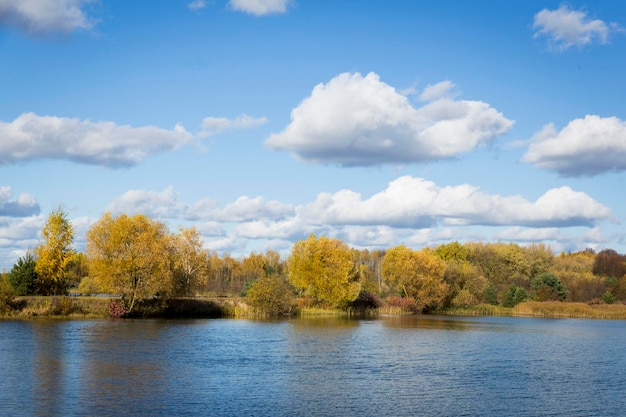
(418, 273)
(189, 262)
(325, 269)
(55, 252)
(129, 256)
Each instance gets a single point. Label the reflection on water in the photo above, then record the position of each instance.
(397, 366)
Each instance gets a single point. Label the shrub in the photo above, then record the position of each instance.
(271, 296)
(464, 299)
(404, 303)
(365, 300)
(7, 295)
(62, 306)
(608, 298)
(117, 309)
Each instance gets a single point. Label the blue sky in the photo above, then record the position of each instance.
(262, 121)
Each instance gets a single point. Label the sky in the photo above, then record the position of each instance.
(260, 122)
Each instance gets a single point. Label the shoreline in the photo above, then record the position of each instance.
(90, 307)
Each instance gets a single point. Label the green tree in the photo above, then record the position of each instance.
(55, 253)
(513, 296)
(130, 256)
(23, 277)
(324, 269)
(271, 295)
(548, 286)
(418, 273)
(490, 295)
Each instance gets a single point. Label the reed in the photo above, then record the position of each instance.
(570, 310)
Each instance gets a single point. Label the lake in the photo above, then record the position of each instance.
(391, 366)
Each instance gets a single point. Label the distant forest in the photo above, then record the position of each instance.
(136, 257)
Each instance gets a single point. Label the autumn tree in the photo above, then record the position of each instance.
(77, 269)
(575, 272)
(189, 262)
(129, 256)
(220, 270)
(609, 263)
(324, 269)
(418, 273)
(55, 253)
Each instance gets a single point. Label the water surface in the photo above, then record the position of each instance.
(401, 366)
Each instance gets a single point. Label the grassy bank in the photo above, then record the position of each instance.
(215, 307)
(98, 307)
(548, 309)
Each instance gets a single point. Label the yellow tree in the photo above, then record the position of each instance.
(325, 269)
(418, 273)
(189, 262)
(55, 253)
(129, 256)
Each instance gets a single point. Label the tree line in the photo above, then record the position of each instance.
(139, 258)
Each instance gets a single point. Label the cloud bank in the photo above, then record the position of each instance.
(31, 137)
(355, 120)
(585, 147)
(565, 28)
(45, 16)
(407, 207)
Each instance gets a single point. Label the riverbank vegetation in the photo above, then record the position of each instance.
(149, 271)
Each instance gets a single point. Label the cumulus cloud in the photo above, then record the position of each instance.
(31, 137)
(246, 208)
(410, 210)
(418, 203)
(25, 205)
(44, 16)
(161, 205)
(260, 7)
(565, 28)
(215, 125)
(167, 205)
(356, 120)
(589, 146)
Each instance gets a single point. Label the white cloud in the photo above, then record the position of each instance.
(356, 120)
(31, 137)
(17, 236)
(197, 4)
(418, 203)
(246, 208)
(589, 146)
(25, 204)
(163, 205)
(436, 91)
(167, 205)
(215, 125)
(260, 7)
(38, 16)
(565, 28)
